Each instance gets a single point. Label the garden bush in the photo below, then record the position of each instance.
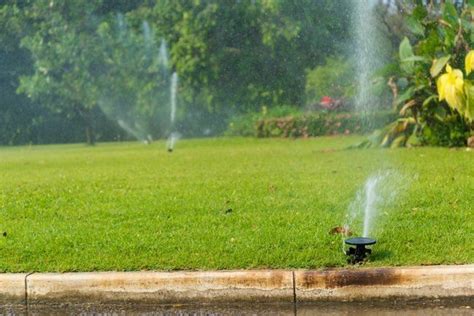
(322, 123)
(311, 124)
(244, 125)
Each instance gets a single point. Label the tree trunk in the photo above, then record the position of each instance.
(90, 128)
(90, 135)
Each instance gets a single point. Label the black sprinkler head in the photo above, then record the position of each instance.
(359, 253)
(170, 150)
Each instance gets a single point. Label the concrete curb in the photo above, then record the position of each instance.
(12, 288)
(240, 286)
(385, 283)
(162, 287)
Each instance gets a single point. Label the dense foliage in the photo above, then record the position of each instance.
(231, 57)
(245, 124)
(84, 70)
(335, 79)
(285, 123)
(440, 39)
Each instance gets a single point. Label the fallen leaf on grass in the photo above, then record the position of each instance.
(340, 230)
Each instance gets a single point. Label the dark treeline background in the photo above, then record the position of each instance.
(232, 57)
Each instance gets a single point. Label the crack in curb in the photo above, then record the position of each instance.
(26, 291)
(294, 287)
(295, 308)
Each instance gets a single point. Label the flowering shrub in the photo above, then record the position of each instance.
(308, 125)
(435, 108)
(319, 124)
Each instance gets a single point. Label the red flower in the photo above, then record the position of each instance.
(326, 100)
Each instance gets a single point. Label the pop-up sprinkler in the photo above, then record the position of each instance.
(359, 253)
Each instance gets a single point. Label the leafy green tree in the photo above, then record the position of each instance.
(64, 50)
(231, 56)
(302, 34)
(62, 41)
(16, 112)
(238, 56)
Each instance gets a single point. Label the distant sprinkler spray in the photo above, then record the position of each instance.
(174, 88)
(171, 142)
(163, 55)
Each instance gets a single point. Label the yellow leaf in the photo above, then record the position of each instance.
(440, 84)
(438, 65)
(469, 90)
(469, 63)
(450, 87)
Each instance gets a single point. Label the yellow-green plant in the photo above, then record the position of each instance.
(469, 64)
(456, 90)
(435, 97)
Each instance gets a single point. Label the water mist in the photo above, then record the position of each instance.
(174, 135)
(368, 52)
(371, 51)
(138, 90)
(374, 202)
(378, 192)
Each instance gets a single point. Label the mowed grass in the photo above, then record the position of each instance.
(226, 204)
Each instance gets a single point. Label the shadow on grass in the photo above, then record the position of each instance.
(380, 255)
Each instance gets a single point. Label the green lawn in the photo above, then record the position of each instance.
(132, 207)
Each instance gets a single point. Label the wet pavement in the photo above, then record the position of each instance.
(461, 306)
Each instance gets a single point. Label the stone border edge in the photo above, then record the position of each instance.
(290, 286)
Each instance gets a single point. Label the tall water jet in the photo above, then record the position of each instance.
(163, 55)
(378, 192)
(370, 203)
(174, 90)
(370, 53)
(368, 200)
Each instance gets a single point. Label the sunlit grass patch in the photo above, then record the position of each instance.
(225, 204)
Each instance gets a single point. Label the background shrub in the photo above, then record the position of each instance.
(309, 124)
(244, 125)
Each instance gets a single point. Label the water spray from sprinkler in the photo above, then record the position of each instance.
(173, 136)
(366, 205)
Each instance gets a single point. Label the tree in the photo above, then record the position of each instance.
(238, 56)
(61, 38)
(16, 115)
(64, 49)
(233, 56)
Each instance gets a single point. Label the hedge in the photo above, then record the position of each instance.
(316, 124)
